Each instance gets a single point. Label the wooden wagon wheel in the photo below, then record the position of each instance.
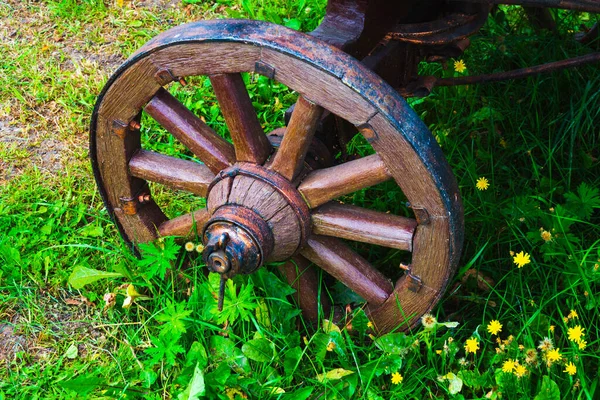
(262, 206)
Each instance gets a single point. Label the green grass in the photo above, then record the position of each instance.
(535, 140)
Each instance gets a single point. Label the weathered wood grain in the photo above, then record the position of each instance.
(172, 172)
(326, 184)
(138, 84)
(209, 147)
(184, 224)
(289, 159)
(192, 59)
(331, 94)
(348, 267)
(363, 225)
(250, 142)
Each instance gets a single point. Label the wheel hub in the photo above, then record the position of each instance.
(257, 216)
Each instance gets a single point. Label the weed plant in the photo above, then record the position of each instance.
(81, 317)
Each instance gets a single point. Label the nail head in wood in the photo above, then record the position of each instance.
(414, 283)
(129, 205)
(421, 215)
(264, 69)
(164, 76)
(368, 132)
(119, 128)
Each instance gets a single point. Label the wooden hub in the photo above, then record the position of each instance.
(263, 215)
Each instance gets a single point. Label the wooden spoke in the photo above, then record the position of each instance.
(172, 172)
(250, 142)
(326, 184)
(184, 224)
(362, 225)
(289, 159)
(351, 269)
(303, 277)
(209, 147)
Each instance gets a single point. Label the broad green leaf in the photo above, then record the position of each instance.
(196, 387)
(92, 231)
(455, 383)
(549, 390)
(291, 360)
(300, 394)
(334, 374)
(83, 384)
(261, 350)
(82, 276)
(72, 352)
(394, 343)
(329, 326)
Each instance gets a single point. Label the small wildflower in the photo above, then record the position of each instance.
(370, 325)
(189, 246)
(482, 183)
(521, 347)
(546, 344)
(460, 66)
(199, 248)
(512, 253)
(508, 366)
(570, 369)
(494, 327)
(552, 328)
(397, 378)
(531, 357)
(521, 259)
(582, 344)
(330, 346)
(428, 321)
(503, 143)
(575, 333)
(450, 339)
(586, 293)
(553, 355)
(520, 370)
(572, 314)
(565, 320)
(546, 236)
(463, 362)
(532, 302)
(438, 352)
(472, 345)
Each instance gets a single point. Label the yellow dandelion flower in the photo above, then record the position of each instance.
(471, 345)
(189, 246)
(572, 314)
(330, 346)
(509, 365)
(460, 66)
(565, 320)
(428, 321)
(575, 333)
(521, 259)
(570, 368)
(494, 327)
(438, 352)
(582, 344)
(200, 248)
(520, 370)
(397, 378)
(547, 236)
(369, 324)
(521, 347)
(553, 355)
(552, 328)
(482, 183)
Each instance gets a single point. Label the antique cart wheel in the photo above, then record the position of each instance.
(265, 205)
